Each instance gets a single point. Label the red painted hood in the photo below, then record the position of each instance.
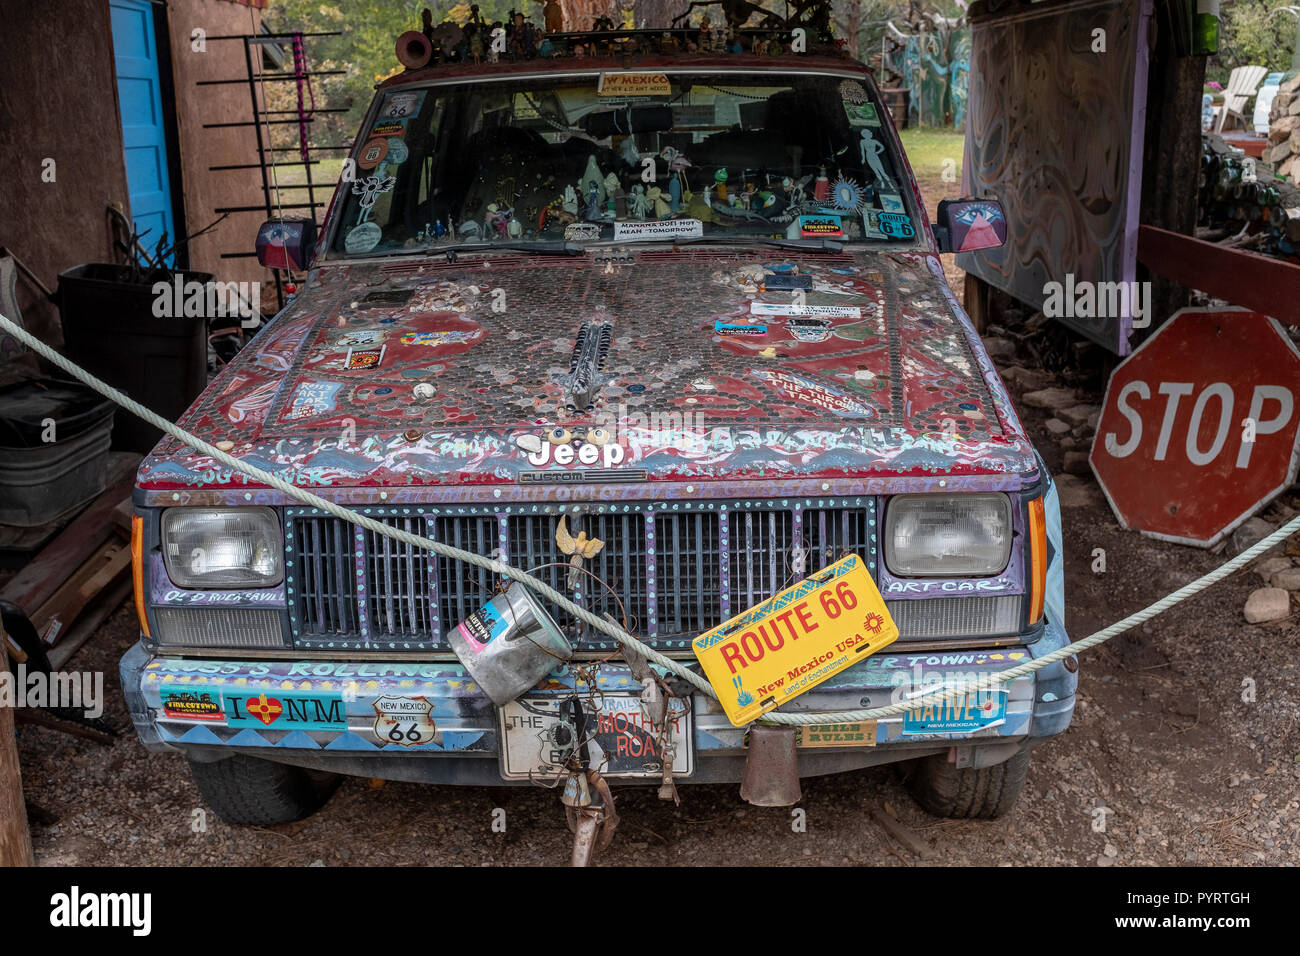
(432, 374)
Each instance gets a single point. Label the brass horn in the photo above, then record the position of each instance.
(414, 49)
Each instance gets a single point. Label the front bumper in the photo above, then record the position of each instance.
(467, 748)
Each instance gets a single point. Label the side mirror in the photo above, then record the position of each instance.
(969, 224)
(286, 243)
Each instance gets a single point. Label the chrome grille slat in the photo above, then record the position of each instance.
(414, 598)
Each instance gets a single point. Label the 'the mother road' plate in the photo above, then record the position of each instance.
(794, 640)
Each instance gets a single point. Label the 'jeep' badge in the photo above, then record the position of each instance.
(407, 721)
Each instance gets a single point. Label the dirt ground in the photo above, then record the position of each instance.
(1187, 771)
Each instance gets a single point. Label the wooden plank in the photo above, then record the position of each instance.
(1263, 283)
(98, 572)
(15, 841)
(96, 613)
(36, 583)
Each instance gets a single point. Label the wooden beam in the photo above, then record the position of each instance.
(15, 840)
(975, 300)
(1266, 284)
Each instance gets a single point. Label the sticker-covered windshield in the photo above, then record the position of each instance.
(623, 156)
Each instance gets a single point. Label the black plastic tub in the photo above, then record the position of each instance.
(54, 439)
(110, 329)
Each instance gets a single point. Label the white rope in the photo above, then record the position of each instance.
(605, 626)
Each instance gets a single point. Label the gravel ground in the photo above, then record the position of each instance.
(1163, 748)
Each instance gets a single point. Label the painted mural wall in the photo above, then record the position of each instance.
(1055, 133)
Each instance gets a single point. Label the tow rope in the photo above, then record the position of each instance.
(987, 682)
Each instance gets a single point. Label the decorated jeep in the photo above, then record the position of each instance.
(659, 318)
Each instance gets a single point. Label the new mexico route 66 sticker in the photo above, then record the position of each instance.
(793, 641)
(407, 721)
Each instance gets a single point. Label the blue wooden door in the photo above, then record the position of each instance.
(144, 135)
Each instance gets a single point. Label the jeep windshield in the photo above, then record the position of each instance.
(624, 156)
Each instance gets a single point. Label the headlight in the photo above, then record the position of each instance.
(222, 549)
(947, 535)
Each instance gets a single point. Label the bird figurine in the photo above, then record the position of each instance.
(577, 548)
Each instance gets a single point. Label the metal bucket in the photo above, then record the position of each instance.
(509, 644)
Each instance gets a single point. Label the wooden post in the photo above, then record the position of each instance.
(976, 301)
(1172, 158)
(15, 841)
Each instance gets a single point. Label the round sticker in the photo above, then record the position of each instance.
(373, 153)
(363, 238)
(397, 151)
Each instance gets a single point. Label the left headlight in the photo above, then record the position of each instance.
(238, 548)
(948, 535)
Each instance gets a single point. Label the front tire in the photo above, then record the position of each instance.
(255, 792)
(968, 793)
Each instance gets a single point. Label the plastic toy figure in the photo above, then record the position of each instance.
(553, 16)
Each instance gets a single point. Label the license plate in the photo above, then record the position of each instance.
(861, 733)
(793, 641)
(960, 715)
(538, 736)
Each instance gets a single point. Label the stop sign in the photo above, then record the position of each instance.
(1199, 425)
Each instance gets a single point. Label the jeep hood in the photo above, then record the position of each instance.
(673, 365)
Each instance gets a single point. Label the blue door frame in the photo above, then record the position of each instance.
(144, 129)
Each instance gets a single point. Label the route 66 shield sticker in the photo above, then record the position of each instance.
(406, 721)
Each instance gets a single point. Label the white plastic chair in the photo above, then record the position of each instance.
(1242, 84)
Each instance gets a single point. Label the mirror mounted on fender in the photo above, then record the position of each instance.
(286, 243)
(968, 224)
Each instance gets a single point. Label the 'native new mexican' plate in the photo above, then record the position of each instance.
(794, 640)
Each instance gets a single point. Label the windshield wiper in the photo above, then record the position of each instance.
(813, 245)
(541, 247)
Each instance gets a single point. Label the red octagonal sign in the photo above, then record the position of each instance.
(1199, 425)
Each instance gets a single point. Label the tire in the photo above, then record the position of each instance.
(968, 793)
(255, 792)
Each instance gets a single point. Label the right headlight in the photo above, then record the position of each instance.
(219, 548)
(948, 536)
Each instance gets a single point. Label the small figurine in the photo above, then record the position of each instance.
(593, 204)
(704, 39)
(661, 208)
(720, 184)
(553, 16)
(592, 176)
(638, 203)
(822, 187)
(514, 228)
(570, 204)
(611, 186)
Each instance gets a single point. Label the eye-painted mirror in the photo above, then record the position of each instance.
(966, 225)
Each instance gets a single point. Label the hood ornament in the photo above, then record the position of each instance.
(585, 377)
(577, 548)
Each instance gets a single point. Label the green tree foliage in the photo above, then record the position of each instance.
(1253, 32)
